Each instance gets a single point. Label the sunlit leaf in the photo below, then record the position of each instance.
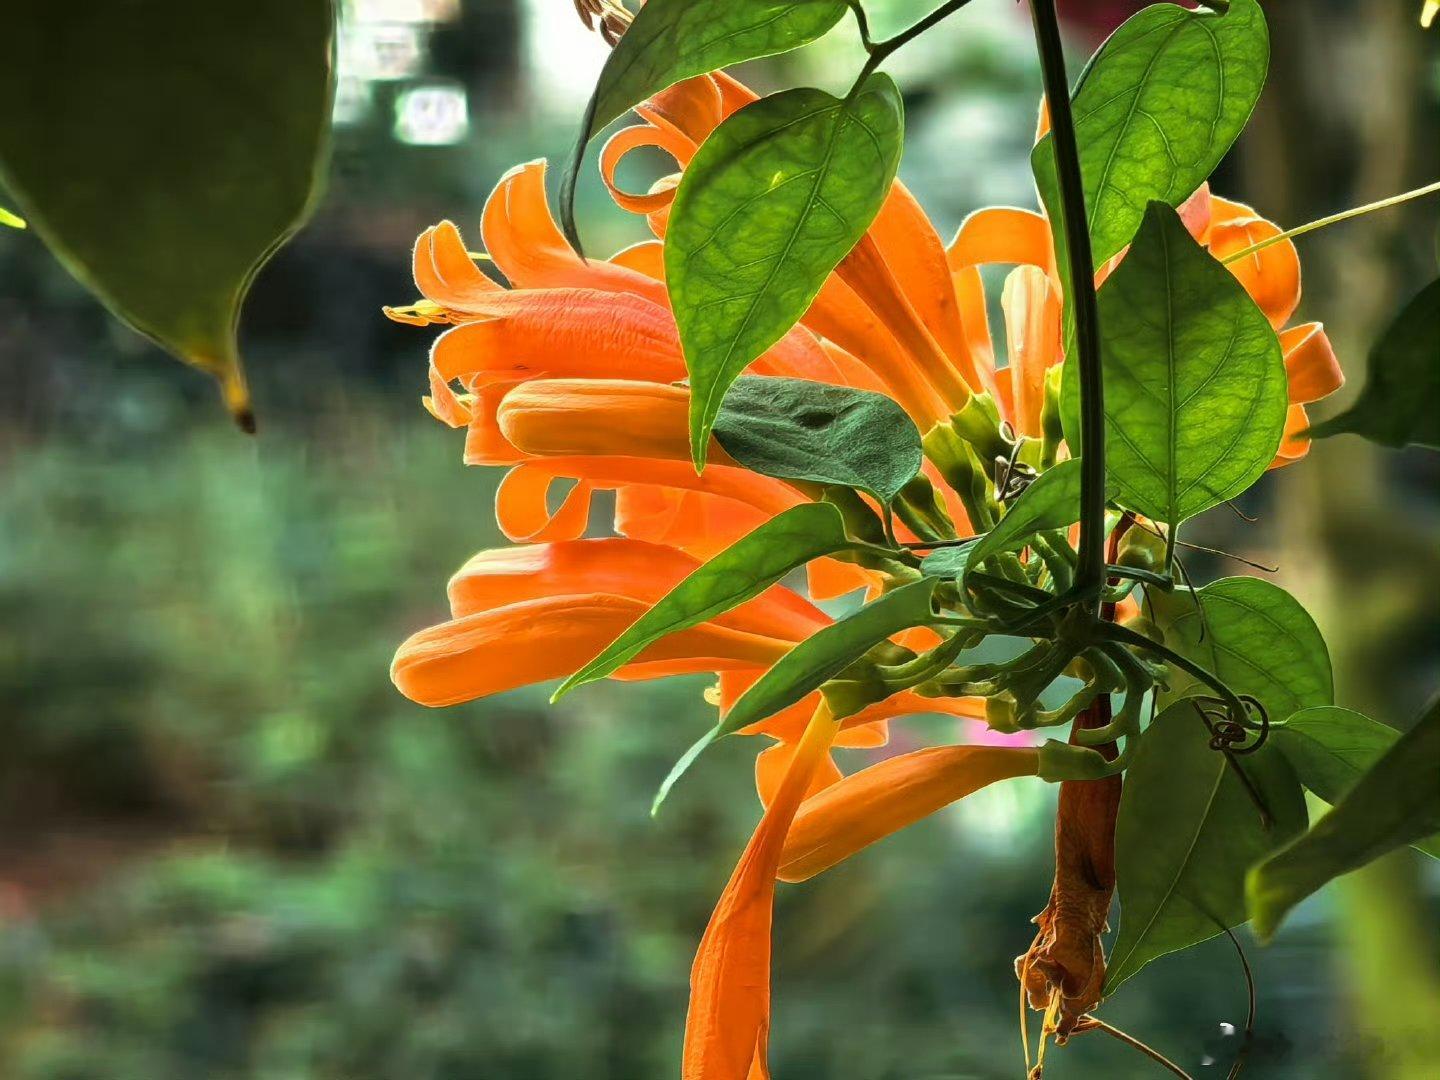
(164, 150)
(1195, 387)
(830, 651)
(1400, 405)
(1255, 636)
(12, 220)
(1156, 109)
(1395, 803)
(741, 572)
(795, 429)
(1187, 831)
(1052, 501)
(671, 40)
(774, 199)
(1330, 748)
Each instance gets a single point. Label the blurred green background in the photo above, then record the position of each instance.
(228, 849)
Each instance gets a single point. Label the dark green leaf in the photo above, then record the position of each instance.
(1195, 386)
(1400, 405)
(1330, 748)
(164, 150)
(795, 429)
(829, 652)
(1255, 636)
(742, 571)
(1186, 833)
(1155, 110)
(773, 200)
(1052, 501)
(1397, 802)
(948, 563)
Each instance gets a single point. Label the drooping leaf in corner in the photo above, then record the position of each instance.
(164, 150)
(796, 429)
(1400, 405)
(671, 40)
(1187, 831)
(1396, 803)
(773, 200)
(1330, 748)
(742, 571)
(1195, 387)
(1157, 107)
(1255, 636)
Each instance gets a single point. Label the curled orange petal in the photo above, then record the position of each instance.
(522, 507)
(885, 798)
(1272, 275)
(1002, 234)
(1310, 364)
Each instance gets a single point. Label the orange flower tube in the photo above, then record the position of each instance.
(729, 1018)
(535, 640)
(885, 798)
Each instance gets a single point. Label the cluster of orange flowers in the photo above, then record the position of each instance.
(574, 373)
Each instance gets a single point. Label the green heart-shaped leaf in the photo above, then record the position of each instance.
(1156, 109)
(1253, 635)
(773, 200)
(1395, 803)
(795, 429)
(1052, 501)
(1330, 748)
(164, 150)
(1186, 833)
(1195, 386)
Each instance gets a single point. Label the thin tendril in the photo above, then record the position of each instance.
(1320, 223)
(1134, 1043)
(1250, 1013)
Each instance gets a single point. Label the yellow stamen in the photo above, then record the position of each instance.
(1344, 215)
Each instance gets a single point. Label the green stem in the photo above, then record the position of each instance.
(879, 50)
(1332, 219)
(1081, 297)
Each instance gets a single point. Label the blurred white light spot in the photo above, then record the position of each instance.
(380, 51)
(437, 114)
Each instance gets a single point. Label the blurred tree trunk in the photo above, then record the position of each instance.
(1348, 116)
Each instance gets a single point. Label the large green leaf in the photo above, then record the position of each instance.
(774, 199)
(800, 430)
(1255, 636)
(1186, 833)
(1195, 387)
(1330, 748)
(742, 571)
(1052, 501)
(1156, 109)
(164, 150)
(1400, 405)
(1397, 802)
(830, 651)
(671, 40)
